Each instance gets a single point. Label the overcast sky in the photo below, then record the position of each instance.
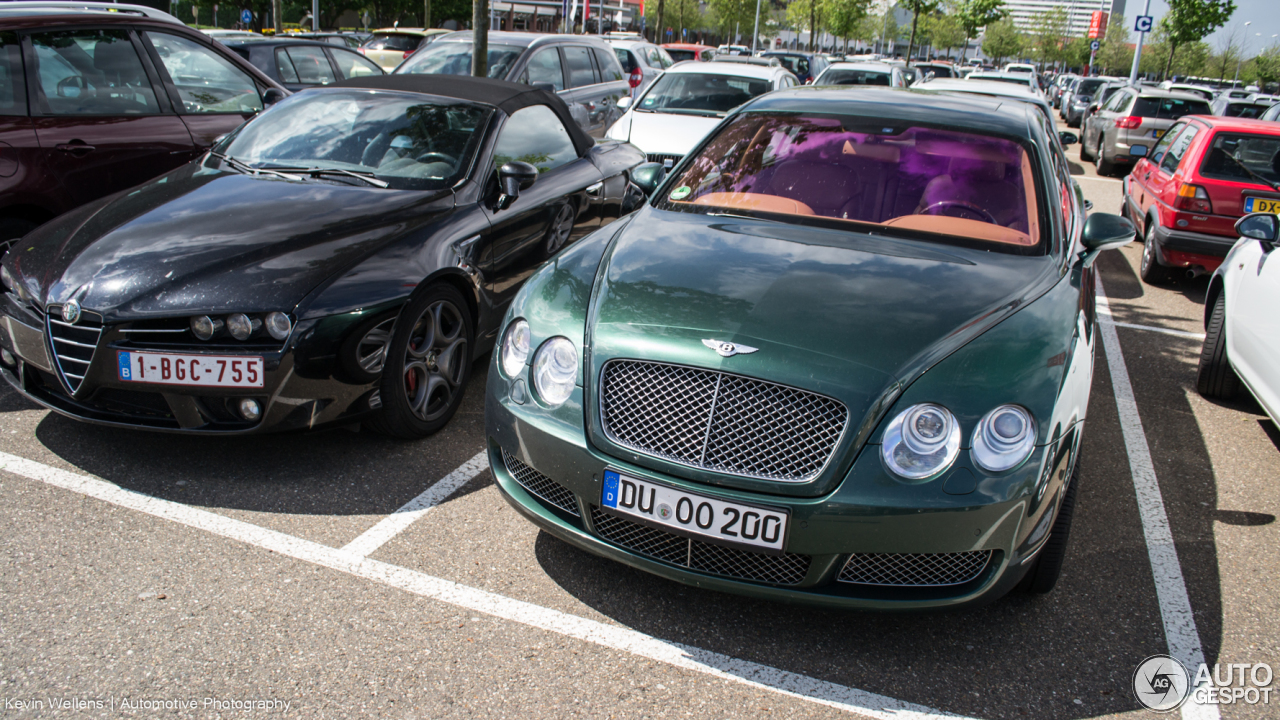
(1264, 14)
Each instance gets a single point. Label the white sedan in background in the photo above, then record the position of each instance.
(862, 73)
(689, 100)
(1242, 327)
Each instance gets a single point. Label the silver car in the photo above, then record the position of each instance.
(642, 61)
(1132, 122)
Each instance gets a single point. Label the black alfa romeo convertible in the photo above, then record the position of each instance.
(344, 256)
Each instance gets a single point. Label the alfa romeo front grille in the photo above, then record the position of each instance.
(717, 421)
(784, 569)
(668, 161)
(541, 485)
(914, 569)
(73, 345)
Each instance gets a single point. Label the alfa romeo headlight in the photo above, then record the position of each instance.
(555, 370)
(1004, 437)
(515, 348)
(7, 279)
(922, 441)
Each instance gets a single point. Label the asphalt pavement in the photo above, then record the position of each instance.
(147, 575)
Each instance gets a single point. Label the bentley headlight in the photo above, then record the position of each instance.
(922, 441)
(555, 370)
(1004, 437)
(515, 348)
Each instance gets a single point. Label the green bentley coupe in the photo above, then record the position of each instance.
(842, 357)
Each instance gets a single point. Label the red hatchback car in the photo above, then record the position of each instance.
(93, 103)
(1203, 175)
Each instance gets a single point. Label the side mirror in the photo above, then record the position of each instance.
(1103, 231)
(1068, 138)
(1138, 150)
(648, 176)
(72, 87)
(624, 102)
(512, 178)
(272, 96)
(1259, 226)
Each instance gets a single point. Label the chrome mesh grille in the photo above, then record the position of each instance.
(73, 345)
(914, 569)
(785, 569)
(668, 161)
(541, 485)
(721, 422)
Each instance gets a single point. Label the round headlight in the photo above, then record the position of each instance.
(555, 370)
(515, 348)
(1004, 438)
(239, 326)
(922, 441)
(278, 325)
(203, 326)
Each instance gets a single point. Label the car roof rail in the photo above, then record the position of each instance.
(33, 7)
(762, 61)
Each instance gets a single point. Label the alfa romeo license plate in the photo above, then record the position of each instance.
(235, 371)
(1257, 204)
(687, 513)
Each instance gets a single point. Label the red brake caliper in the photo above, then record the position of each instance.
(411, 379)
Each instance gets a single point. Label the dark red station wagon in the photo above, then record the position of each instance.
(1203, 175)
(94, 103)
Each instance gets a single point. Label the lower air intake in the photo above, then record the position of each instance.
(541, 486)
(914, 569)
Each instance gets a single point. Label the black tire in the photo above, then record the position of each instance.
(427, 366)
(13, 229)
(1085, 155)
(1105, 166)
(1044, 574)
(1150, 269)
(558, 231)
(1214, 378)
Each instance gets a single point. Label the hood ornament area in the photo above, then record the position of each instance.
(728, 349)
(71, 312)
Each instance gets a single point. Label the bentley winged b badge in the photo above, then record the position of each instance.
(728, 349)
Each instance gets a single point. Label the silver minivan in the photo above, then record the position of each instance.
(1132, 122)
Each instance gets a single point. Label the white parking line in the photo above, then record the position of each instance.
(748, 673)
(1171, 588)
(395, 523)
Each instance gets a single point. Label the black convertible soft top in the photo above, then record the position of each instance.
(506, 96)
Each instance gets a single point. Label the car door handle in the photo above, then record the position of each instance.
(75, 147)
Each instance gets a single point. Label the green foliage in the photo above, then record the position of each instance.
(1190, 20)
(1003, 40)
(918, 8)
(727, 14)
(1050, 36)
(843, 18)
(944, 31)
(1115, 57)
(1266, 67)
(977, 14)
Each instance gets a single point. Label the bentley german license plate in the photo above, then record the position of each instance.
(192, 370)
(687, 513)
(1257, 204)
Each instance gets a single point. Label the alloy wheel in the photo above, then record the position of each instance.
(435, 360)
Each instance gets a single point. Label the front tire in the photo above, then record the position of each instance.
(1150, 269)
(1044, 574)
(428, 363)
(1214, 378)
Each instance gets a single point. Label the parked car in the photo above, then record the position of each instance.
(1018, 78)
(642, 61)
(581, 69)
(1100, 98)
(1226, 107)
(1203, 175)
(939, 69)
(105, 101)
(853, 326)
(221, 35)
(862, 73)
(1054, 91)
(341, 258)
(351, 41)
(1242, 340)
(15, 8)
(805, 66)
(689, 100)
(390, 46)
(1131, 122)
(1204, 92)
(1081, 96)
(680, 52)
(1272, 115)
(301, 64)
(1019, 68)
(1021, 93)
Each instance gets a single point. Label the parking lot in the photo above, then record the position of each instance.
(344, 574)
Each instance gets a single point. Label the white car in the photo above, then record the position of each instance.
(990, 89)
(1019, 68)
(689, 100)
(1017, 78)
(862, 73)
(1242, 327)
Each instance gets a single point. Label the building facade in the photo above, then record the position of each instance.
(1026, 13)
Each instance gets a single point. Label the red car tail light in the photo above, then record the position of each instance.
(1130, 122)
(407, 53)
(636, 78)
(1192, 198)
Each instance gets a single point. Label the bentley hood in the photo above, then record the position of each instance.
(201, 240)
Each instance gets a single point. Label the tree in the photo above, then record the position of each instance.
(1050, 36)
(1227, 56)
(1002, 40)
(974, 15)
(918, 8)
(1115, 54)
(1266, 66)
(844, 17)
(945, 31)
(730, 14)
(1190, 20)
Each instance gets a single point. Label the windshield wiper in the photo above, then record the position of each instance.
(318, 171)
(1235, 159)
(245, 167)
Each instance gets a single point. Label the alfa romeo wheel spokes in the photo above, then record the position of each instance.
(435, 360)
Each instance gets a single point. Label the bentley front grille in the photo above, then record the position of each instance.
(668, 161)
(785, 569)
(720, 422)
(73, 344)
(540, 485)
(914, 569)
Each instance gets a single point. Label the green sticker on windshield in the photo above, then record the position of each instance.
(681, 192)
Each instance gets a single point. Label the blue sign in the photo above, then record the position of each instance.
(1143, 23)
(246, 16)
(1095, 45)
(609, 498)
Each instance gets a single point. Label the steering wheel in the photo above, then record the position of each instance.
(962, 205)
(437, 157)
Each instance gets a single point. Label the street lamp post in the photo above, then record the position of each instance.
(755, 35)
(1236, 79)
